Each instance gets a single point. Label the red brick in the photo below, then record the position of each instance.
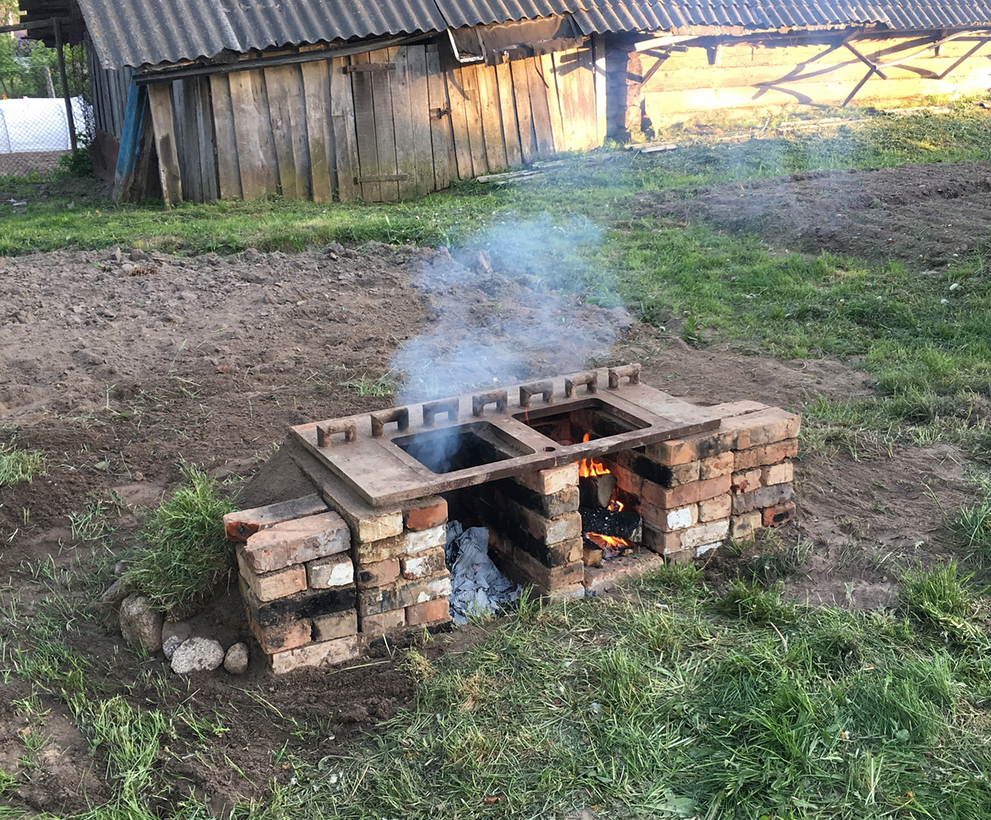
(298, 541)
(777, 474)
(368, 576)
(713, 509)
(661, 542)
(429, 612)
(746, 481)
(384, 549)
(280, 637)
(763, 427)
(317, 655)
(383, 622)
(548, 482)
(692, 448)
(239, 526)
(402, 594)
(423, 565)
(743, 527)
(271, 585)
(715, 466)
(781, 514)
(335, 625)
(428, 513)
(683, 496)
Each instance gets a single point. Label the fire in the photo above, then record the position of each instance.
(589, 467)
(607, 541)
(611, 545)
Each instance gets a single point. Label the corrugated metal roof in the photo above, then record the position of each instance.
(135, 32)
(138, 32)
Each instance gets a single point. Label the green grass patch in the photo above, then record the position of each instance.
(187, 553)
(669, 704)
(972, 527)
(19, 465)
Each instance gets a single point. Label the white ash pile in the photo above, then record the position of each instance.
(477, 586)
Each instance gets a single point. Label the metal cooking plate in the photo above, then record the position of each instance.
(417, 450)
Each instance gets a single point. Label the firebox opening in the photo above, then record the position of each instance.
(587, 420)
(461, 448)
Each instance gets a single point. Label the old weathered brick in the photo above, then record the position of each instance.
(383, 550)
(426, 513)
(763, 427)
(287, 634)
(368, 525)
(693, 448)
(703, 549)
(423, 540)
(307, 604)
(244, 523)
(317, 655)
(744, 527)
(735, 408)
(549, 506)
(746, 481)
(381, 623)
(678, 519)
(705, 534)
(680, 557)
(553, 480)
(764, 497)
(627, 480)
(776, 516)
(422, 565)
(715, 466)
(296, 542)
(333, 571)
(335, 625)
(777, 474)
(402, 594)
(429, 612)
(379, 574)
(661, 542)
(527, 569)
(271, 585)
(712, 509)
(657, 496)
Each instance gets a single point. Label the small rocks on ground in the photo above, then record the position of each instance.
(140, 623)
(197, 655)
(236, 659)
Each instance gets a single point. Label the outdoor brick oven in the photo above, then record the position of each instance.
(353, 548)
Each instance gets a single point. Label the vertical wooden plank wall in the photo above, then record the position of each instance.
(308, 130)
(163, 123)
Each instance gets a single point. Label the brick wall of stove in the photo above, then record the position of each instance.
(319, 584)
(317, 589)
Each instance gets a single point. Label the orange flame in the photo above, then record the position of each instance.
(607, 541)
(589, 467)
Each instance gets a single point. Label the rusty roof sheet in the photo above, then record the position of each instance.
(138, 32)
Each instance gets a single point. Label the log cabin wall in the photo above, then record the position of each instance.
(741, 78)
(380, 126)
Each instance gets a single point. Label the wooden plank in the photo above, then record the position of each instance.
(553, 101)
(223, 129)
(488, 98)
(402, 120)
(385, 129)
(473, 118)
(507, 111)
(342, 116)
(588, 103)
(573, 134)
(278, 82)
(185, 139)
(319, 130)
(441, 132)
(459, 122)
(419, 103)
(300, 138)
(204, 128)
(253, 132)
(539, 108)
(575, 85)
(524, 117)
(364, 123)
(160, 102)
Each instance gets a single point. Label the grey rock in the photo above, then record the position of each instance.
(140, 624)
(109, 602)
(236, 659)
(197, 655)
(176, 629)
(170, 645)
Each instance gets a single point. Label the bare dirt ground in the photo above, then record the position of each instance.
(118, 365)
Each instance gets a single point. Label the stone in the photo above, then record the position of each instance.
(170, 645)
(197, 655)
(236, 659)
(109, 602)
(140, 624)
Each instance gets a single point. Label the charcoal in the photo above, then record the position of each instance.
(607, 522)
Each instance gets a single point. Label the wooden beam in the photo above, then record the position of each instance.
(160, 102)
(977, 47)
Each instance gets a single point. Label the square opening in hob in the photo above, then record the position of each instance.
(460, 448)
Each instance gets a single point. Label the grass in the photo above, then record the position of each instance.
(186, 553)
(673, 704)
(18, 465)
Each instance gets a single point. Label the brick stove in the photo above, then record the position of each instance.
(352, 549)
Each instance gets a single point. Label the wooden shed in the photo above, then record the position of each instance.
(323, 99)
